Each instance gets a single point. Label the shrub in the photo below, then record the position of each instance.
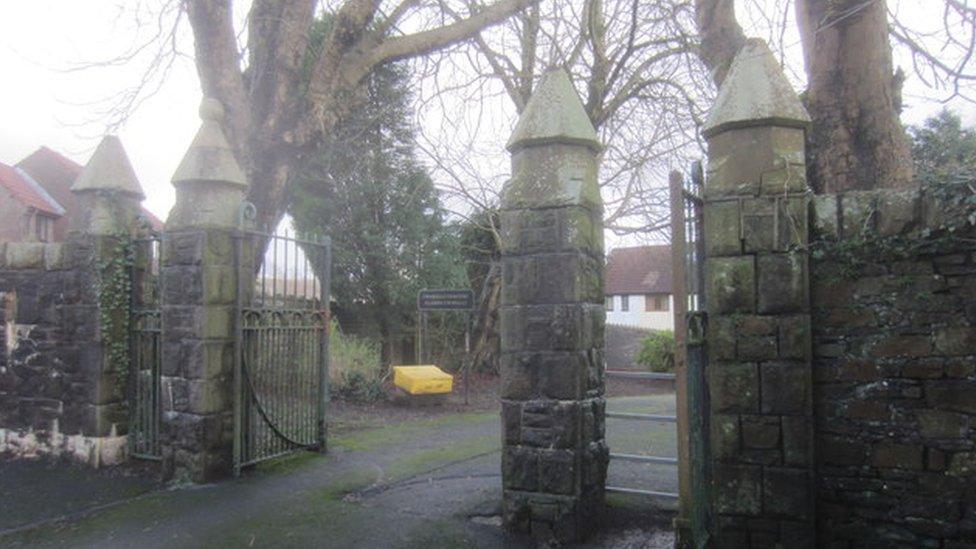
(355, 370)
(657, 351)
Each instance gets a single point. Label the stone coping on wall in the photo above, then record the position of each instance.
(884, 213)
(49, 256)
(94, 451)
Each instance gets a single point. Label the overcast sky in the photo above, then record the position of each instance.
(44, 103)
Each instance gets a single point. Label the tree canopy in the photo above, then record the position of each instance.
(942, 148)
(364, 187)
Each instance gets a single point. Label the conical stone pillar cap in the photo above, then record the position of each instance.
(554, 115)
(755, 93)
(210, 157)
(109, 170)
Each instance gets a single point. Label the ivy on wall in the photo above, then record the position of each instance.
(956, 200)
(113, 265)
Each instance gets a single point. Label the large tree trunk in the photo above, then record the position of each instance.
(720, 34)
(289, 97)
(857, 140)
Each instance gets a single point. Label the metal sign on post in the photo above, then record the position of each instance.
(446, 300)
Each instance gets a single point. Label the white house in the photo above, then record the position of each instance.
(637, 286)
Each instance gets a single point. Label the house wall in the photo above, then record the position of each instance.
(56, 179)
(13, 218)
(638, 317)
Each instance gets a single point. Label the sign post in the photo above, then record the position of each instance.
(447, 300)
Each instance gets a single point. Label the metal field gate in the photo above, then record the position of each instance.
(281, 345)
(145, 351)
(688, 249)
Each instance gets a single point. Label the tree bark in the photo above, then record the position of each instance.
(289, 97)
(857, 140)
(720, 34)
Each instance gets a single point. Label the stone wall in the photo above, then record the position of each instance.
(49, 394)
(37, 387)
(894, 332)
(66, 309)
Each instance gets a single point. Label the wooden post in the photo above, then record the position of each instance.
(679, 285)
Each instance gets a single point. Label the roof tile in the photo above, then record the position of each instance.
(27, 191)
(639, 270)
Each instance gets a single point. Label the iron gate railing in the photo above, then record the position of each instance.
(696, 354)
(281, 366)
(145, 350)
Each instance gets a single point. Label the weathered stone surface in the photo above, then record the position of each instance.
(760, 432)
(552, 279)
(552, 321)
(734, 388)
(757, 348)
(797, 440)
(210, 158)
(943, 424)
(55, 257)
(956, 341)
(554, 176)
(787, 492)
(755, 93)
(774, 224)
(794, 337)
(954, 395)
(571, 229)
(24, 255)
(782, 281)
(757, 297)
(736, 175)
(786, 388)
(730, 284)
(893, 350)
(554, 115)
(859, 213)
(721, 219)
(552, 327)
(725, 436)
(898, 211)
(826, 219)
(738, 489)
(109, 170)
(897, 456)
(722, 338)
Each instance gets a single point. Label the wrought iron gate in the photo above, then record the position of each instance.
(281, 365)
(145, 351)
(695, 351)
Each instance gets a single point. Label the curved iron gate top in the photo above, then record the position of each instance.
(281, 345)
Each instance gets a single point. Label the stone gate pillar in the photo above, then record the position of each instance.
(759, 369)
(199, 289)
(555, 457)
(108, 195)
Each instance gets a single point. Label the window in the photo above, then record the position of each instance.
(609, 304)
(42, 227)
(654, 303)
(625, 303)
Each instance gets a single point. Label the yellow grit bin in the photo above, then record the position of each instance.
(422, 380)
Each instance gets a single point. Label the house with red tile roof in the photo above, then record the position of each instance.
(36, 202)
(27, 210)
(637, 287)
